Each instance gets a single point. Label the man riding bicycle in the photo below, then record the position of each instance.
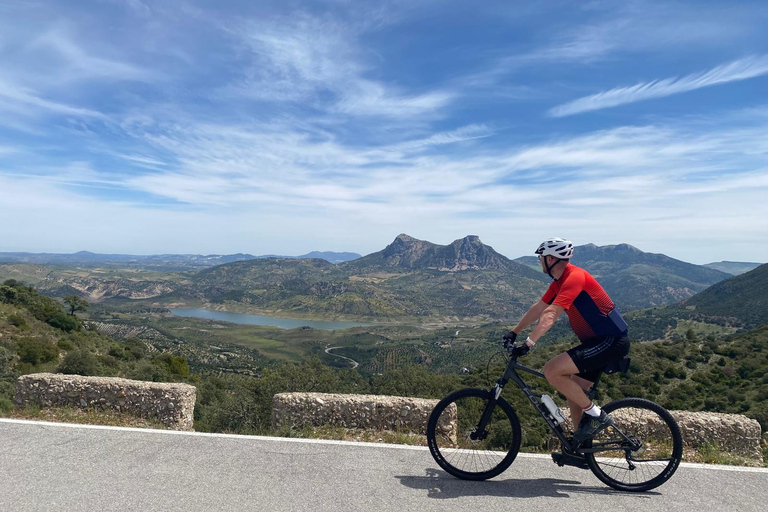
(595, 320)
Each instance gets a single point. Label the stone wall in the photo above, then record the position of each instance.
(733, 434)
(171, 404)
(368, 412)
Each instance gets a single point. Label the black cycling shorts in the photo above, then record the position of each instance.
(594, 354)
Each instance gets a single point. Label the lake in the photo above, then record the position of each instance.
(283, 323)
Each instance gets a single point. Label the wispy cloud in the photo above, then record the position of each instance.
(741, 69)
(75, 63)
(320, 61)
(22, 100)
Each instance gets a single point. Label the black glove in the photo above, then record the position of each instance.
(520, 350)
(509, 338)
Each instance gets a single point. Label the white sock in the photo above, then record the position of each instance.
(593, 410)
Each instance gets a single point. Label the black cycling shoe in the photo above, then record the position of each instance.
(568, 459)
(590, 426)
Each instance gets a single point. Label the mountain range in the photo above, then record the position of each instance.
(733, 267)
(408, 279)
(160, 261)
(635, 279)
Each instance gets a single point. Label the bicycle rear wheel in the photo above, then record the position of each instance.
(648, 452)
(460, 448)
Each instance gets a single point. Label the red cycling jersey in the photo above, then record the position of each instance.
(590, 310)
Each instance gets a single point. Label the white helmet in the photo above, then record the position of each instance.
(558, 247)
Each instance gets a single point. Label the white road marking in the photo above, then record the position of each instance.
(716, 467)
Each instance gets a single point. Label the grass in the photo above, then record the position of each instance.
(702, 328)
(81, 416)
(358, 435)
(712, 454)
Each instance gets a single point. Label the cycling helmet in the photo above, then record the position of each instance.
(558, 247)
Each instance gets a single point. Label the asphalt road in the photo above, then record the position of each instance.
(47, 466)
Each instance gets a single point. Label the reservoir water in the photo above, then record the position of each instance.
(283, 323)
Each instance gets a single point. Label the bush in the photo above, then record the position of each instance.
(18, 321)
(36, 351)
(65, 345)
(147, 371)
(80, 362)
(63, 321)
(5, 404)
(174, 364)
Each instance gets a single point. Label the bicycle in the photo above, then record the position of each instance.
(474, 434)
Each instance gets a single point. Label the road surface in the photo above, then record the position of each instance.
(50, 466)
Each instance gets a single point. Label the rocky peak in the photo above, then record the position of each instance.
(411, 253)
(406, 251)
(470, 253)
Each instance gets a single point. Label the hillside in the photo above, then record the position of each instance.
(236, 381)
(743, 298)
(409, 279)
(635, 279)
(733, 267)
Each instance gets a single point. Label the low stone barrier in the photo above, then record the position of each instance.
(368, 412)
(734, 434)
(171, 404)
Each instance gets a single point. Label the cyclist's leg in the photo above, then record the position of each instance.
(576, 410)
(558, 372)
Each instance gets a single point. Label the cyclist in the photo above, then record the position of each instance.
(595, 320)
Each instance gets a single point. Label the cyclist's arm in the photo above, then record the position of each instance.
(546, 321)
(533, 314)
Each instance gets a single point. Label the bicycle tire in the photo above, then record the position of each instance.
(647, 467)
(449, 429)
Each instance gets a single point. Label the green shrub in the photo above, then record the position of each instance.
(18, 321)
(35, 351)
(80, 362)
(147, 371)
(174, 364)
(5, 404)
(63, 321)
(65, 345)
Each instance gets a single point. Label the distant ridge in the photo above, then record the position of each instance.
(636, 279)
(733, 267)
(165, 261)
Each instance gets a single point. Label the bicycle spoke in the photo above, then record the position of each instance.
(650, 448)
(490, 452)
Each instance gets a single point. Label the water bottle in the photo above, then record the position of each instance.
(557, 414)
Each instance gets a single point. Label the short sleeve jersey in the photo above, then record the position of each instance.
(590, 310)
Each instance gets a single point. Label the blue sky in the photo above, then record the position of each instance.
(283, 127)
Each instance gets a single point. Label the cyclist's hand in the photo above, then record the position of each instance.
(509, 339)
(520, 350)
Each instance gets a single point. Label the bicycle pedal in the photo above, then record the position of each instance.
(565, 459)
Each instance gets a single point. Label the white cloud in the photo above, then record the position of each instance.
(75, 63)
(322, 62)
(742, 69)
(24, 101)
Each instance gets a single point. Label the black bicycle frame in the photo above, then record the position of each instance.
(511, 374)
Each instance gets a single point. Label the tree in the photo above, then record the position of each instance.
(76, 303)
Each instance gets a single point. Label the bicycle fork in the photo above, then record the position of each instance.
(480, 433)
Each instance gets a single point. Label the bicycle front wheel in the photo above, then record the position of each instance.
(461, 447)
(641, 451)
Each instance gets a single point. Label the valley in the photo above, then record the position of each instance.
(436, 316)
